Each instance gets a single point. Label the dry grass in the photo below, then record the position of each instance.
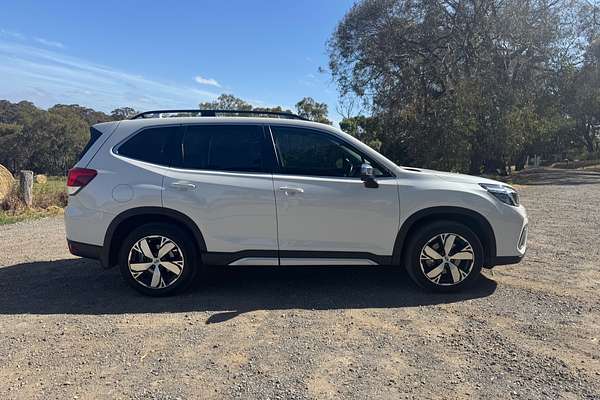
(49, 194)
(41, 179)
(49, 199)
(6, 181)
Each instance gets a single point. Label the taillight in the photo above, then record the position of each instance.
(78, 178)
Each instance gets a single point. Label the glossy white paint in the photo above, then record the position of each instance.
(336, 214)
(425, 188)
(234, 211)
(237, 211)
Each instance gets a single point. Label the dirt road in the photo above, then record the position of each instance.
(532, 331)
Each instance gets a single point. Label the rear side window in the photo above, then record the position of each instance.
(238, 148)
(151, 145)
(94, 136)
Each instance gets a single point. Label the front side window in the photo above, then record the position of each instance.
(236, 148)
(151, 145)
(307, 152)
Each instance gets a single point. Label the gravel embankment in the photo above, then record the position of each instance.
(531, 331)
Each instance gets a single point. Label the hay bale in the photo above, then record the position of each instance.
(41, 179)
(6, 181)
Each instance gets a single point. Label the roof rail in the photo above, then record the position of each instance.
(213, 113)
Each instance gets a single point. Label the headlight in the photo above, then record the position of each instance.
(504, 193)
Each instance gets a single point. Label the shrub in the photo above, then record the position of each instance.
(11, 201)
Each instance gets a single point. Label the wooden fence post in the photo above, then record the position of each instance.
(26, 187)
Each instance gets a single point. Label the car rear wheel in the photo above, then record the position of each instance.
(444, 256)
(158, 259)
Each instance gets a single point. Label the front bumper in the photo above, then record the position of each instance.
(505, 260)
(521, 249)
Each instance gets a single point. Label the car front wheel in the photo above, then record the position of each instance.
(444, 256)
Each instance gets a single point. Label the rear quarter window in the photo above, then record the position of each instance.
(94, 136)
(153, 145)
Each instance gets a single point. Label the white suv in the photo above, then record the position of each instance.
(164, 197)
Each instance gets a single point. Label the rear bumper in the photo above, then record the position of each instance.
(85, 250)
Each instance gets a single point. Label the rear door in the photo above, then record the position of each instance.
(222, 179)
(325, 213)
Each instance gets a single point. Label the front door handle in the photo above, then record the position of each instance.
(291, 190)
(183, 185)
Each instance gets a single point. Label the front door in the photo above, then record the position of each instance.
(325, 214)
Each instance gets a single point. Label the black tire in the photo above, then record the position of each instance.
(185, 254)
(432, 234)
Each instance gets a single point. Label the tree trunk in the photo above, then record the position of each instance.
(26, 187)
(520, 162)
(495, 167)
(476, 161)
(588, 138)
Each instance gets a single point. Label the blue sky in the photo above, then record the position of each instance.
(107, 54)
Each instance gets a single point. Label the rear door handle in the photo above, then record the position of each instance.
(291, 190)
(183, 186)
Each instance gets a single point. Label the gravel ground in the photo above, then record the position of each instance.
(71, 330)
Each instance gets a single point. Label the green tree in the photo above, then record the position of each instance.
(307, 107)
(60, 138)
(89, 115)
(123, 113)
(10, 154)
(43, 141)
(19, 141)
(310, 109)
(366, 129)
(226, 102)
(581, 99)
(444, 78)
(272, 109)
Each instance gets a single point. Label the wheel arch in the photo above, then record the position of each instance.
(472, 219)
(123, 223)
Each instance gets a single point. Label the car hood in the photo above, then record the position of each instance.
(452, 176)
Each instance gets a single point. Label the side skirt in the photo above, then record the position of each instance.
(294, 257)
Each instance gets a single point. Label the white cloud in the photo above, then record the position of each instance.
(49, 43)
(207, 81)
(46, 77)
(12, 34)
(20, 37)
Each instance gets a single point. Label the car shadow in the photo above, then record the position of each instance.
(80, 286)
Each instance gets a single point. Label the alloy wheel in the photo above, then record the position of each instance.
(155, 262)
(447, 259)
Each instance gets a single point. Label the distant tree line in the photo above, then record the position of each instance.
(47, 141)
(470, 85)
(307, 107)
(50, 141)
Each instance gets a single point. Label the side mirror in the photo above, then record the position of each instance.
(366, 175)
